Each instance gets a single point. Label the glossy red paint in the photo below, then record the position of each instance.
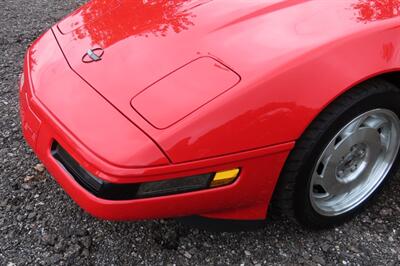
(128, 117)
(208, 80)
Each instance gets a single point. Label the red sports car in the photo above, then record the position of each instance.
(220, 108)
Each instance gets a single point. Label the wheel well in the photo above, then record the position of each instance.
(293, 182)
(392, 77)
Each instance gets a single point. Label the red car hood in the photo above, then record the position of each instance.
(157, 52)
(147, 40)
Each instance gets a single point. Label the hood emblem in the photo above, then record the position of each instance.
(93, 55)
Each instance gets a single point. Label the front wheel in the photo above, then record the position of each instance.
(343, 158)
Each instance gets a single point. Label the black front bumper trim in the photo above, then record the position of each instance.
(111, 191)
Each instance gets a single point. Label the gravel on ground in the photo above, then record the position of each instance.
(41, 225)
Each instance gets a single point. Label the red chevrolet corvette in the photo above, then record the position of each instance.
(220, 108)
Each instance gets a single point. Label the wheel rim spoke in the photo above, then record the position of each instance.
(376, 122)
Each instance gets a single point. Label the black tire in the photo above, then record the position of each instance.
(292, 193)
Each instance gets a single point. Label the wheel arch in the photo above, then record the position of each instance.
(298, 165)
(392, 77)
(283, 191)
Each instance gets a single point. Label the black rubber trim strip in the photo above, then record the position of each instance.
(103, 189)
(111, 191)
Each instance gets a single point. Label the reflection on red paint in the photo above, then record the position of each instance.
(388, 51)
(95, 8)
(135, 18)
(373, 10)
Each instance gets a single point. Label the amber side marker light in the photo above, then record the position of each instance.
(187, 184)
(225, 177)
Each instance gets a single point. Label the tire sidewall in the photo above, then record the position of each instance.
(302, 204)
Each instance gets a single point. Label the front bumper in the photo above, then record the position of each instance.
(247, 198)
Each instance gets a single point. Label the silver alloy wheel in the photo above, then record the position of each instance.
(355, 162)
